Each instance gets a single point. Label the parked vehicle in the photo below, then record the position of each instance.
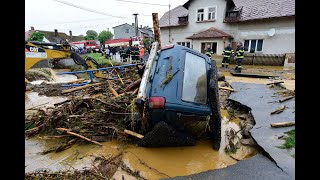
(89, 44)
(180, 84)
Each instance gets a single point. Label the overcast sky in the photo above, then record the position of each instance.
(50, 14)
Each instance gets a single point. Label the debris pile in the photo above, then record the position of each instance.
(103, 168)
(84, 116)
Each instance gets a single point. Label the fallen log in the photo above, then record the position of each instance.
(226, 88)
(79, 88)
(79, 136)
(279, 110)
(133, 85)
(275, 83)
(282, 124)
(133, 134)
(286, 99)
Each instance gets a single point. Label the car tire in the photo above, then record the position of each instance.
(215, 119)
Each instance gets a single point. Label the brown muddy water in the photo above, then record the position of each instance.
(152, 163)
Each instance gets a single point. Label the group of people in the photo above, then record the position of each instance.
(81, 50)
(227, 53)
(110, 52)
(134, 52)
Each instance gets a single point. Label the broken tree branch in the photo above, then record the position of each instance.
(109, 104)
(114, 92)
(282, 124)
(279, 110)
(226, 88)
(79, 88)
(135, 91)
(133, 134)
(79, 136)
(133, 85)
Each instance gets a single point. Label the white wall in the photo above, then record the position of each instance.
(282, 42)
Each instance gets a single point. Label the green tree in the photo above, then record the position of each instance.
(36, 36)
(104, 35)
(146, 42)
(91, 35)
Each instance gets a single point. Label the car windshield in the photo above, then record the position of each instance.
(195, 79)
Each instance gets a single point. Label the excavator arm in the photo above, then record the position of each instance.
(39, 51)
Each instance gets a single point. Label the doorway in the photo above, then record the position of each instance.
(213, 45)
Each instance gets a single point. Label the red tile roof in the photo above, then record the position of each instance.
(209, 33)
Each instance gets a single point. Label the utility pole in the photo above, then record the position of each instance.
(169, 26)
(156, 28)
(136, 23)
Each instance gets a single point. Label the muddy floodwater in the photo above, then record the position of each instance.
(152, 163)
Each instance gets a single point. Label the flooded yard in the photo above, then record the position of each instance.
(149, 163)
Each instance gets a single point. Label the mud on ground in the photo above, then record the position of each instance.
(269, 70)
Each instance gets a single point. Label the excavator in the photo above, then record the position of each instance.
(38, 51)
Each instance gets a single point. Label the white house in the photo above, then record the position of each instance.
(263, 26)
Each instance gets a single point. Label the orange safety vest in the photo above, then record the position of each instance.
(141, 51)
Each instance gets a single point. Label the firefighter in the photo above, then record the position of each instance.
(122, 53)
(209, 52)
(239, 57)
(135, 54)
(227, 52)
(128, 52)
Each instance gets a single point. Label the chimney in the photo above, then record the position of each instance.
(56, 32)
(32, 28)
(133, 24)
(70, 33)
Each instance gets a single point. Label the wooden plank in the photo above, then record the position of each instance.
(282, 124)
(81, 87)
(133, 134)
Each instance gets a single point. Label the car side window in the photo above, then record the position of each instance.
(194, 88)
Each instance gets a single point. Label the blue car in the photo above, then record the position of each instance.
(178, 85)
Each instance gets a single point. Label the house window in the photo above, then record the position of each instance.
(127, 30)
(233, 14)
(212, 13)
(183, 20)
(253, 45)
(187, 44)
(200, 14)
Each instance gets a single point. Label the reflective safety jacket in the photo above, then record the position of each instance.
(209, 52)
(240, 53)
(227, 52)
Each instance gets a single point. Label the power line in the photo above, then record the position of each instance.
(136, 2)
(87, 9)
(70, 22)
